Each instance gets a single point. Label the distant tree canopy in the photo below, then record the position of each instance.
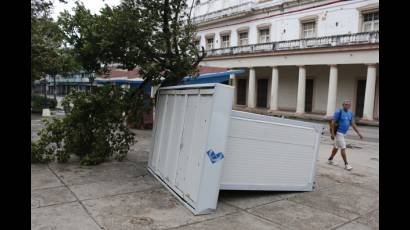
(49, 55)
(154, 35)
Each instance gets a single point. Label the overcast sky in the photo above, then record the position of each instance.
(93, 5)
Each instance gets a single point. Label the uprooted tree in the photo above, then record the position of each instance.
(155, 36)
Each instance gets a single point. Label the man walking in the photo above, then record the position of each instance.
(342, 119)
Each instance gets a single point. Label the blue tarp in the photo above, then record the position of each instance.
(220, 77)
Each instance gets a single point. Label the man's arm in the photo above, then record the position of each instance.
(332, 129)
(333, 124)
(354, 126)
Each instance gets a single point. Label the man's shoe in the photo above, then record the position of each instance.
(331, 162)
(348, 167)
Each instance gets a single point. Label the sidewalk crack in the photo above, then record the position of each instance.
(79, 201)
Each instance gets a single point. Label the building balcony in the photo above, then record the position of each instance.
(318, 42)
(227, 12)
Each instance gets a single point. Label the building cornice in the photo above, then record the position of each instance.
(275, 10)
(360, 47)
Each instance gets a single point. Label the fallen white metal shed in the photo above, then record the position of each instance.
(201, 146)
(189, 139)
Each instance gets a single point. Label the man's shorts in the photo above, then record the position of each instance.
(340, 141)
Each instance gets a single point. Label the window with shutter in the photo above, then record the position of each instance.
(224, 41)
(243, 38)
(264, 36)
(371, 21)
(209, 43)
(309, 29)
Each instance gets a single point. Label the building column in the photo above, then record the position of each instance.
(232, 82)
(332, 92)
(274, 89)
(251, 88)
(370, 92)
(300, 105)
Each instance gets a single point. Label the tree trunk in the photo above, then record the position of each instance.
(45, 89)
(55, 88)
(91, 80)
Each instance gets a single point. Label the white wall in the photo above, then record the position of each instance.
(320, 76)
(348, 75)
(287, 27)
(288, 88)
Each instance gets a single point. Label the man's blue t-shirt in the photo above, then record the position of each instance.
(344, 120)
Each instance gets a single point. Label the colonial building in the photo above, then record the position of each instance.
(302, 57)
(64, 85)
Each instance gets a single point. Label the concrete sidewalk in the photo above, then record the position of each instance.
(123, 195)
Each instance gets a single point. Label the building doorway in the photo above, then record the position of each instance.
(241, 92)
(360, 92)
(309, 96)
(262, 93)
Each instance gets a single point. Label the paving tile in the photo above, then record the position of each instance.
(355, 226)
(291, 215)
(154, 209)
(113, 187)
(38, 167)
(370, 219)
(50, 196)
(360, 176)
(43, 178)
(69, 216)
(74, 174)
(250, 199)
(140, 150)
(237, 221)
(138, 155)
(324, 181)
(343, 200)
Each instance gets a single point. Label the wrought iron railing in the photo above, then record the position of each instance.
(318, 42)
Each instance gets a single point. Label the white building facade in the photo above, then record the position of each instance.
(300, 56)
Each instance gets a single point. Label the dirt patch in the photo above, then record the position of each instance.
(331, 177)
(141, 220)
(358, 174)
(350, 146)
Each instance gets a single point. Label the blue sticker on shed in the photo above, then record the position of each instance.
(214, 157)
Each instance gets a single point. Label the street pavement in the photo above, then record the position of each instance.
(124, 196)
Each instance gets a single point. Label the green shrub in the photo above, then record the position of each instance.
(93, 129)
(39, 103)
(40, 153)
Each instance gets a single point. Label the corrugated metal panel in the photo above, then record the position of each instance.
(268, 153)
(190, 122)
